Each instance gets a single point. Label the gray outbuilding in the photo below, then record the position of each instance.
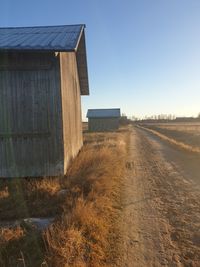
(43, 73)
(103, 119)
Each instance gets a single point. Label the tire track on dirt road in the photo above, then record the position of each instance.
(160, 210)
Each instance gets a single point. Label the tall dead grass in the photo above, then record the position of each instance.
(21, 247)
(81, 236)
(85, 227)
(22, 198)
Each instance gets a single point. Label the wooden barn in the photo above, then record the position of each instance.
(103, 119)
(43, 73)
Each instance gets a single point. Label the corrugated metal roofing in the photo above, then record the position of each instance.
(56, 38)
(49, 38)
(103, 113)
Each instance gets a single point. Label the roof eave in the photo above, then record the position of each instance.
(79, 38)
(82, 63)
(35, 50)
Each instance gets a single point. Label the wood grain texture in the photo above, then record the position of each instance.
(30, 116)
(71, 107)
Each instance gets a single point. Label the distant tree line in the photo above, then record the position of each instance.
(166, 118)
(157, 118)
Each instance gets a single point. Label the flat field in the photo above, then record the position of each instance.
(186, 133)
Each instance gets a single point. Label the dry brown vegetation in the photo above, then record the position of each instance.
(184, 135)
(86, 216)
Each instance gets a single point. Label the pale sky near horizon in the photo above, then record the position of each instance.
(143, 56)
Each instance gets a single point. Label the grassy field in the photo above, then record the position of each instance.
(187, 134)
(85, 216)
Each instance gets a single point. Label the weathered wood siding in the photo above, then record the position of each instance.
(103, 124)
(30, 115)
(71, 107)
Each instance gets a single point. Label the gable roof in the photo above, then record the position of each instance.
(67, 38)
(57, 38)
(103, 113)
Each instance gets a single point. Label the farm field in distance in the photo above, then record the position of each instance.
(187, 133)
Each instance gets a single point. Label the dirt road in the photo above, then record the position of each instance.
(160, 204)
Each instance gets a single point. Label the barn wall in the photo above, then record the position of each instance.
(30, 121)
(103, 124)
(71, 107)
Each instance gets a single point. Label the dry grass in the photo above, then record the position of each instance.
(29, 198)
(21, 247)
(193, 127)
(82, 235)
(184, 136)
(4, 193)
(86, 218)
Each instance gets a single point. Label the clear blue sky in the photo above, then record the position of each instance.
(143, 56)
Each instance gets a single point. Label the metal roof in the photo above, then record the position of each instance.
(56, 38)
(65, 38)
(104, 113)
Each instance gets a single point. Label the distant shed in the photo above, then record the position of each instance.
(43, 72)
(103, 119)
